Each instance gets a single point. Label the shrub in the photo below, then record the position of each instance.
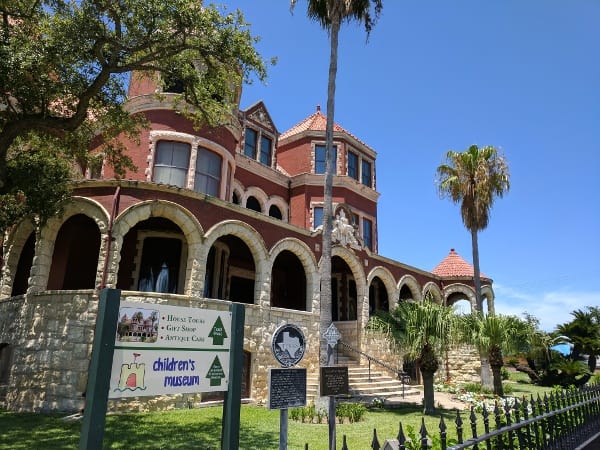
(504, 373)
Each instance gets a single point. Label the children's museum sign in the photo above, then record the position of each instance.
(162, 349)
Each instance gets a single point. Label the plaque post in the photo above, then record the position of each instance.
(288, 345)
(332, 336)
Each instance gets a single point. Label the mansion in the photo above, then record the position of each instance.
(211, 216)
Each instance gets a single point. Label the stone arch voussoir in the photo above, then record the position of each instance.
(44, 246)
(184, 219)
(388, 281)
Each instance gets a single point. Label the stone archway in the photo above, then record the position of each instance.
(188, 224)
(309, 265)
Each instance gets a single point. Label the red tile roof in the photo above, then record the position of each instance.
(316, 122)
(454, 265)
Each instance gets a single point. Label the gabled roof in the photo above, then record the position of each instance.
(258, 113)
(317, 122)
(454, 265)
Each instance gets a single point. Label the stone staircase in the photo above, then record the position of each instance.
(380, 384)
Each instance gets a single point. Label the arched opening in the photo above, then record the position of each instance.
(21, 280)
(75, 257)
(288, 282)
(253, 204)
(405, 294)
(274, 211)
(343, 291)
(235, 199)
(153, 257)
(378, 297)
(230, 271)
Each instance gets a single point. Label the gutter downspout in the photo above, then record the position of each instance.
(109, 238)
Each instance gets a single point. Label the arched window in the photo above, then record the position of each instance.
(274, 211)
(253, 204)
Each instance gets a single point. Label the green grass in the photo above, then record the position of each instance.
(201, 428)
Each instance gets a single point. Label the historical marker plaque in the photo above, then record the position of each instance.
(334, 380)
(287, 388)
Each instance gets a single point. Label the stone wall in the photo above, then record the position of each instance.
(460, 366)
(51, 336)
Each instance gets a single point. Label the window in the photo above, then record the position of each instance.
(366, 173)
(171, 163)
(368, 233)
(274, 211)
(250, 143)
(208, 172)
(265, 150)
(353, 165)
(317, 217)
(320, 152)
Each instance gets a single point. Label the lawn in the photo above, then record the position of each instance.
(200, 428)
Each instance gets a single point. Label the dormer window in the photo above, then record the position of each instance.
(250, 143)
(258, 146)
(265, 150)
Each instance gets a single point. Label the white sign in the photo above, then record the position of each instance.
(162, 349)
(332, 335)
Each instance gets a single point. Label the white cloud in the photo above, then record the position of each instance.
(550, 307)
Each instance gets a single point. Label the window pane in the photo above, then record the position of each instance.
(320, 151)
(250, 143)
(207, 178)
(318, 216)
(353, 165)
(366, 173)
(265, 150)
(171, 162)
(368, 233)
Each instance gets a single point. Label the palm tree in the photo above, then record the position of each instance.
(493, 336)
(330, 14)
(584, 333)
(425, 331)
(474, 178)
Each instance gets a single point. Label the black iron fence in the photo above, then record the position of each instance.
(563, 420)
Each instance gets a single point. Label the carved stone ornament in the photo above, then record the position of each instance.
(343, 231)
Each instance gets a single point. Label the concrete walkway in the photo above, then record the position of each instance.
(443, 400)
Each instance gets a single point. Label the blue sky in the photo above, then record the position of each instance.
(441, 75)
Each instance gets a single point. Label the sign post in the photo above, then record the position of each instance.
(96, 394)
(230, 439)
(288, 345)
(145, 349)
(332, 336)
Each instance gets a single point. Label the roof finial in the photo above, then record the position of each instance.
(318, 108)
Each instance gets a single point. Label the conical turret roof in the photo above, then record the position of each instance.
(454, 265)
